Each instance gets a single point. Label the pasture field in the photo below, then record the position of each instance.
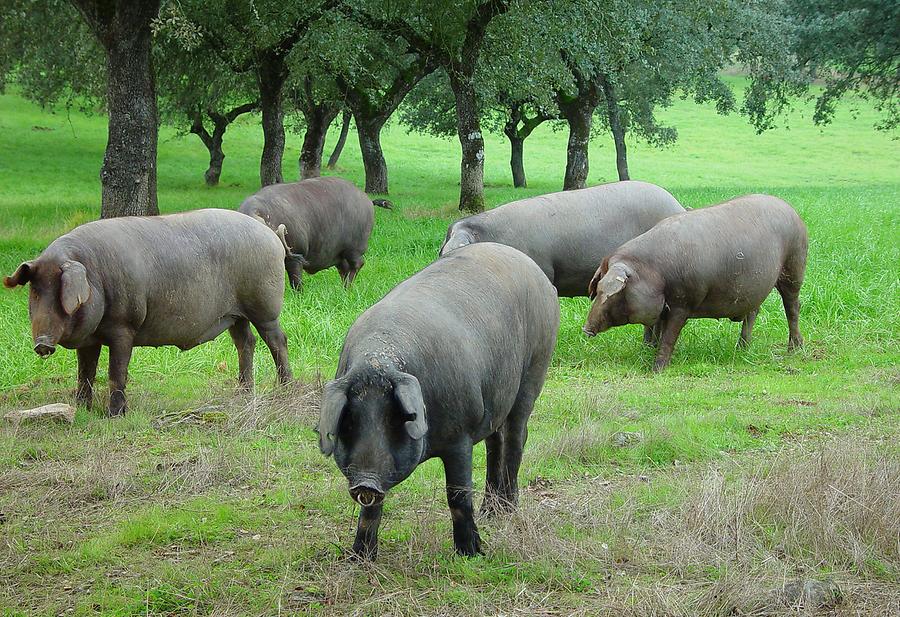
(701, 490)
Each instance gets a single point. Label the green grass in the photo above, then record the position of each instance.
(231, 509)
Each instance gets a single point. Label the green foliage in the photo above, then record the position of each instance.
(429, 109)
(50, 53)
(854, 45)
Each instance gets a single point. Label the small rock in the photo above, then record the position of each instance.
(809, 594)
(55, 411)
(622, 439)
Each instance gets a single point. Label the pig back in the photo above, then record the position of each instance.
(174, 277)
(723, 261)
(569, 233)
(330, 215)
(471, 326)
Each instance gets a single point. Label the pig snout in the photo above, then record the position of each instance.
(44, 346)
(367, 493)
(587, 330)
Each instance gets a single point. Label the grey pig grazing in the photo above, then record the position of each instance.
(180, 279)
(720, 261)
(455, 354)
(328, 223)
(568, 233)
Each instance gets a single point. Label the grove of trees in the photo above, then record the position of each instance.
(459, 68)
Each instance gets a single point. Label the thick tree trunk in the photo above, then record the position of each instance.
(272, 74)
(516, 163)
(468, 126)
(369, 131)
(617, 128)
(578, 115)
(342, 139)
(128, 174)
(317, 123)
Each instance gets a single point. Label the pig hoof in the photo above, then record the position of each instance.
(470, 547)
(84, 400)
(496, 506)
(115, 411)
(363, 552)
(795, 343)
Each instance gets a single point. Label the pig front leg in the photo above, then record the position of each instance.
(652, 333)
(366, 544)
(119, 358)
(87, 371)
(458, 471)
(671, 329)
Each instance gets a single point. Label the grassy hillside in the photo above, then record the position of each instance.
(698, 490)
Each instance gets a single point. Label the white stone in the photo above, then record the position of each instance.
(55, 411)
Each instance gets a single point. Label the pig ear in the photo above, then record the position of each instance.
(409, 393)
(613, 282)
(74, 290)
(21, 276)
(592, 287)
(334, 399)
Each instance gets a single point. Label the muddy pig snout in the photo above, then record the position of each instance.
(44, 346)
(366, 494)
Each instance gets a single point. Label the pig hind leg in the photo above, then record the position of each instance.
(495, 483)
(87, 371)
(245, 343)
(295, 273)
(788, 285)
(349, 267)
(747, 329)
(790, 297)
(276, 341)
(513, 435)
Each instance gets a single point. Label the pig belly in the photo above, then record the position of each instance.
(184, 333)
(734, 306)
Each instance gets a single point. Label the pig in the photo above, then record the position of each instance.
(568, 233)
(720, 261)
(328, 222)
(455, 354)
(180, 279)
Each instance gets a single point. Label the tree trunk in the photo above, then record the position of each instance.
(468, 126)
(213, 145)
(516, 163)
(579, 115)
(213, 142)
(272, 74)
(342, 139)
(369, 131)
(128, 175)
(216, 158)
(617, 128)
(317, 123)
